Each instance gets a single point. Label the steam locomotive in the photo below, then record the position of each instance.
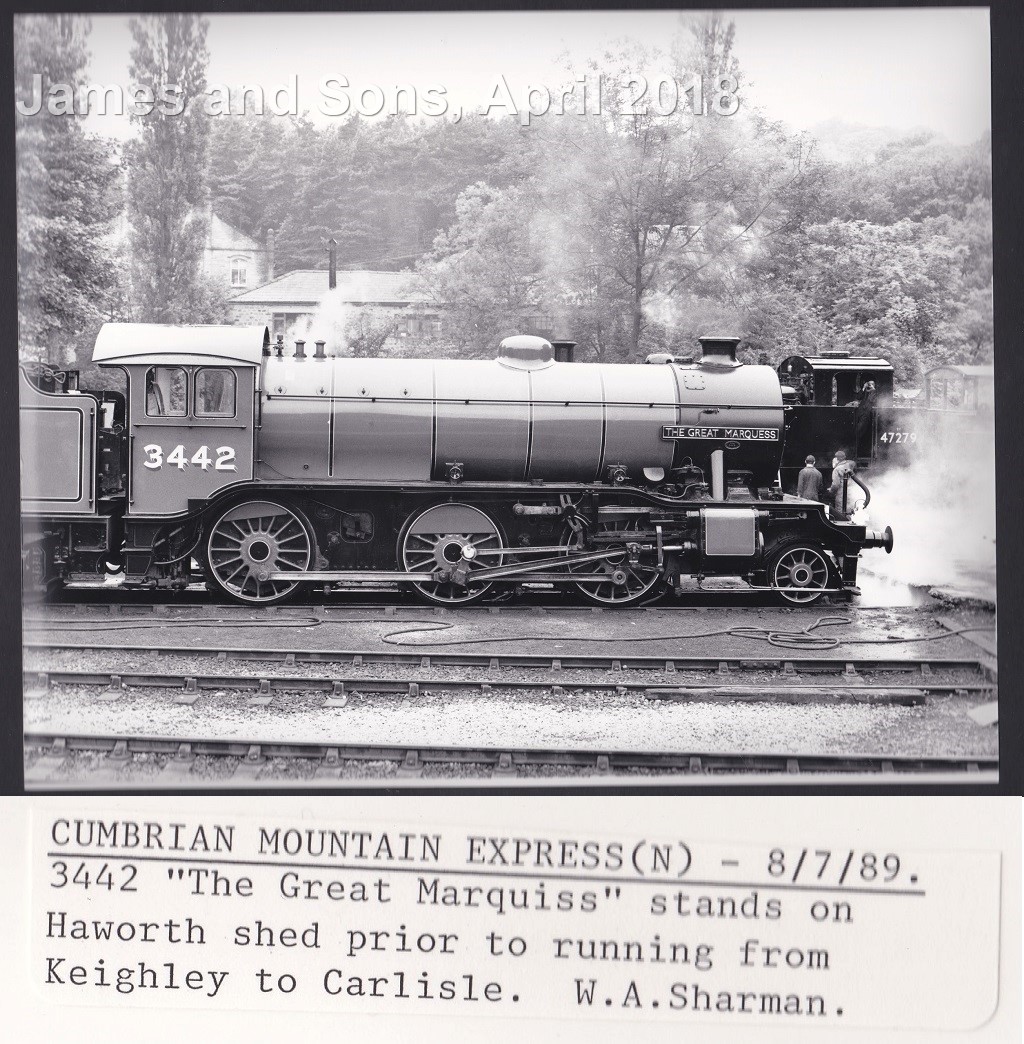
(837, 400)
(270, 469)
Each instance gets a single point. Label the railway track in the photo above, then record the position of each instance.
(188, 687)
(72, 668)
(146, 762)
(787, 662)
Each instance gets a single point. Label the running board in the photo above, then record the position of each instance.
(519, 570)
(351, 575)
(421, 578)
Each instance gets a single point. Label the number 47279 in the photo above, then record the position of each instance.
(179, 458)
(898, 436)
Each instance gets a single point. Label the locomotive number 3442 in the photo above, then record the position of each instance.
(178, 457)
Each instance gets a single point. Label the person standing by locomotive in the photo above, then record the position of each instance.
(863, 416)
(809, 482)
(841, 468)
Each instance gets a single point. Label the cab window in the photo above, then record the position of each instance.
(166, 391)
(215, 392)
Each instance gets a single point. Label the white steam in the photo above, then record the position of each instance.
(330, 323)
(942, 512)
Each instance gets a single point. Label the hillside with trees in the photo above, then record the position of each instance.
(629, 233)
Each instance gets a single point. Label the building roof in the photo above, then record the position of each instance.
(309, 287)
(139, 341)
(223, 236)
(967, 371)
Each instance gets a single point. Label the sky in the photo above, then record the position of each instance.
(904, 68)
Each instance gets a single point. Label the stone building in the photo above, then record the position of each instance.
(234, 261)
(282, 303)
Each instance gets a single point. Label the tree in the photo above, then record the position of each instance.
(916, 177)
(884, 290)
(485, 272)
(253, 171)
(67, 183)
(383, 189)
(967, 336)
(368, 332)
(634, 231)
(649, 201)
(167, 169)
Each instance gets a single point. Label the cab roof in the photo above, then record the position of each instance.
(840, 362)
(125, 342)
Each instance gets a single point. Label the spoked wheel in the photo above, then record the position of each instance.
(801, 574)
(446, 537)
(613, 580)
(250, 542)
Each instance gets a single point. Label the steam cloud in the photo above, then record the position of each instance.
(942, 512)
(328, 323)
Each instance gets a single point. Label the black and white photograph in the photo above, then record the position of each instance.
(506, 399)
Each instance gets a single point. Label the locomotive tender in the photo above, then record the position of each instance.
(273, 469)
(841, 401)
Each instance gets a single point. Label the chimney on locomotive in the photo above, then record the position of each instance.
(563, 350)
(719, 351)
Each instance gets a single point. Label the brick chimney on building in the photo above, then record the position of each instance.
(270, 254)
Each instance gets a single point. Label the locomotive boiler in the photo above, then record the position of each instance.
(521, 417)
(268, 468)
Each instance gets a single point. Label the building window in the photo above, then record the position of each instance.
(422, 326)
(540, 325)
(282, 322)
(215, 392)
(239, 271)
(166, 392)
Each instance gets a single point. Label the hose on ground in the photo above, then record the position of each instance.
(804, 638)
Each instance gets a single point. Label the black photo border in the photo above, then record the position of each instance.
(1006, 24)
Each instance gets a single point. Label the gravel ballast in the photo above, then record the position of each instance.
(574, 718)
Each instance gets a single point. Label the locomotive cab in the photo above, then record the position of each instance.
(191, 414)
(835, 399)
(192, 400)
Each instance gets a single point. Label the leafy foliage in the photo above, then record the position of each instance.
(67, 183)
(167, 166)
(382, 189)
(629, 231)
(485, 272)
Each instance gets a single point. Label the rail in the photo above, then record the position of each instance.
(187, 687)
(173, 762)
(787, 659)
